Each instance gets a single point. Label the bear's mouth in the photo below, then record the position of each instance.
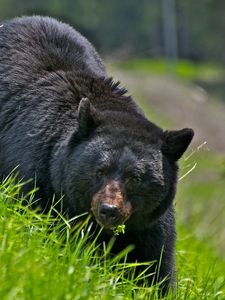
(108, 226)
(116, 230)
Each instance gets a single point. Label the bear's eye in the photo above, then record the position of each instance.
(131, 177)
(100, 173)
(135, 179)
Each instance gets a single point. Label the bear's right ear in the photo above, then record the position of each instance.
(176, 142)
(88, 117)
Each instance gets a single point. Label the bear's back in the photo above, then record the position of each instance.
(30, 47)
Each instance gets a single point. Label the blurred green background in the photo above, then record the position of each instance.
(170, 55)
(132, 28)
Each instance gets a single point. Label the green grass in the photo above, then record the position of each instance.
(181, 68)
(200, 270)
(200, 198)
(42, 257)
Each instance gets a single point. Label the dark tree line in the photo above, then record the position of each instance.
(131, 28)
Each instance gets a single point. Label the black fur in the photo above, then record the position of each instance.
(62, 119)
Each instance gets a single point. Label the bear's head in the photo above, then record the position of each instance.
(121, 167)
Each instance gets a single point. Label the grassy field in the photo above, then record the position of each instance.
(42, 257)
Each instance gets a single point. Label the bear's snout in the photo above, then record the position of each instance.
(109, 214)
(110, 206)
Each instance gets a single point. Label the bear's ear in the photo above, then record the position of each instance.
(176, 142)
(88, 117)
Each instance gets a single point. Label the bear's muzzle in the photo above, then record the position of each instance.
(109, 205)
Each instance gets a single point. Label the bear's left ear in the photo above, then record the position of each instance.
(88, 117)
(175, 143)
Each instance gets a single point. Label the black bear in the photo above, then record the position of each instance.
(66, 124)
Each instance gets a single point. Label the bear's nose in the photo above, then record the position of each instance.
(108, 213)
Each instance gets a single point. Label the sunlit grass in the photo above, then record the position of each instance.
(46, 257)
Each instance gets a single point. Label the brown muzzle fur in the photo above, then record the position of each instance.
(109, 205)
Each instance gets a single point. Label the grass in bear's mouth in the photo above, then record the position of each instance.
(119, 229)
